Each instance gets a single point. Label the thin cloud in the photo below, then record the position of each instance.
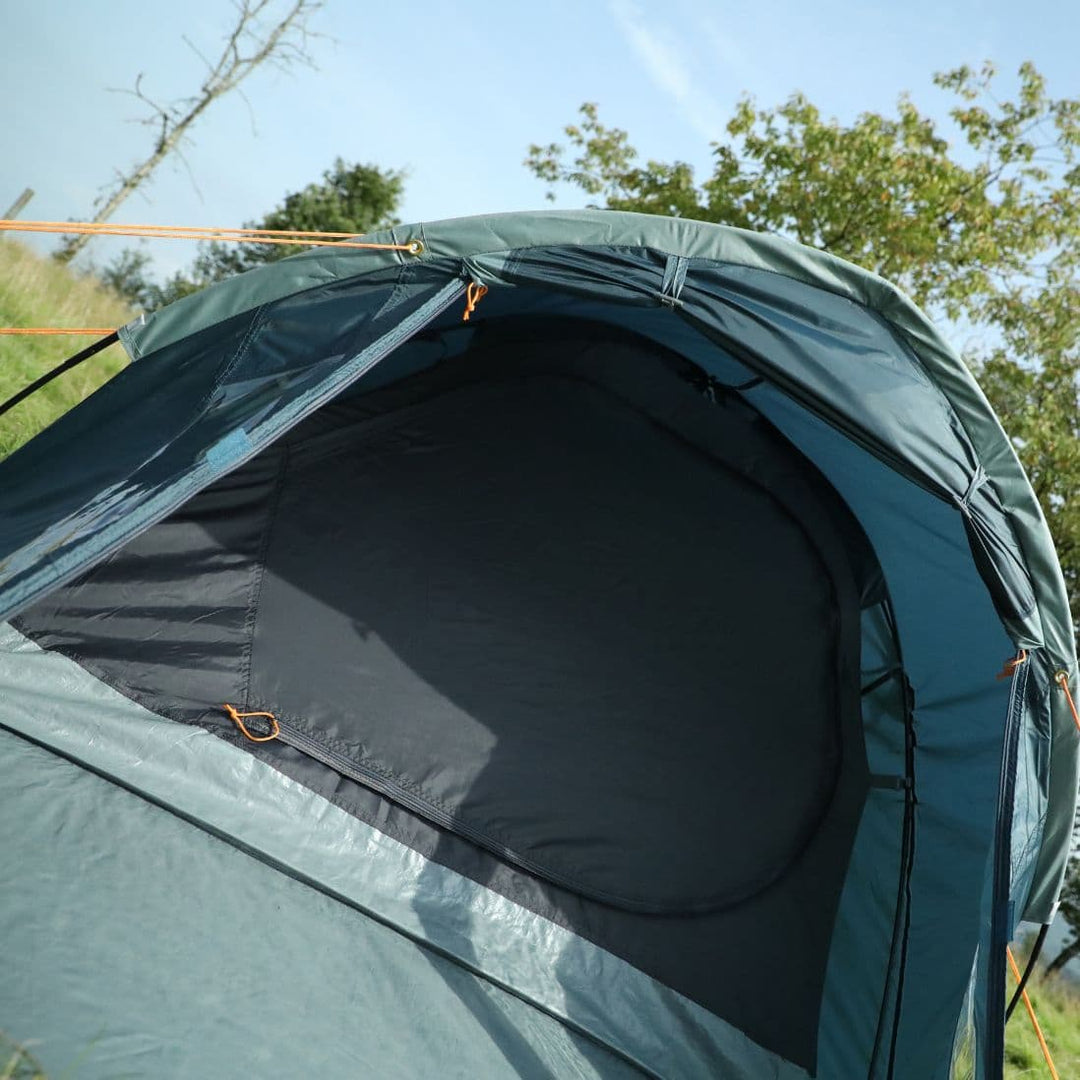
(665, 60)
(728, 54)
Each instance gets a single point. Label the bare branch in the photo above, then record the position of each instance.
(251, 112)
(248, 45)
(194, 48)
(191, 175)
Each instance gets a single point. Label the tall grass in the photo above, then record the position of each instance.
(1057, 1005)
(36, 291)
(17, 1063)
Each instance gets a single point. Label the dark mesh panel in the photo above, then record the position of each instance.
(558, 596)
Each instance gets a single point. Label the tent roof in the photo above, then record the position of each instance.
(978, 471)
(234, 366)
(475, 240)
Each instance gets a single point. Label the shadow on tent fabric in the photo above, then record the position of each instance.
(521, 1058)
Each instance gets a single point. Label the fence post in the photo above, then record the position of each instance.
(19, 205)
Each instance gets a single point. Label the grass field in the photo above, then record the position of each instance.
(17, 1063)
(1057, 1005)
(34, 291)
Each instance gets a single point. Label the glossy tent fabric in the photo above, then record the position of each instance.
(983, 537)
(208, 406)
(1000, 510)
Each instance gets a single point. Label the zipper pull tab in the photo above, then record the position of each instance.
(1010, 667)
(238, 719)
(473, 295)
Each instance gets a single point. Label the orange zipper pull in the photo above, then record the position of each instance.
(238, 719)
(473, 295)
(1011, 665)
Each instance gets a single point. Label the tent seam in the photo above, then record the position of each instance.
(259, 573)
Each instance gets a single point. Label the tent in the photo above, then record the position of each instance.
(596, 676)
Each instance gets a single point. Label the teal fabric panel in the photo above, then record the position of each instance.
(858, 1007)
(825, 349)
(953, 646)
(859, 356)
(1032, 781)
(225, 791)
(136, 945)
(489, 247)
(86, 484)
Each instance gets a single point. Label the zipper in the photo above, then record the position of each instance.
(397, 792)
(1001, 916)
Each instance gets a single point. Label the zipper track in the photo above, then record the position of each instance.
(1001, 915)
(398, 793)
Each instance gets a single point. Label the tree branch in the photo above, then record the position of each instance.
(284, 44)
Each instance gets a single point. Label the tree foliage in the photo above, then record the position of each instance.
(1070, 911)
(889, 193)
(351, 199)
(983, 232)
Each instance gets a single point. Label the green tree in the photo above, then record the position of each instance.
(351, 199)
(984, 234)
(1070, 911)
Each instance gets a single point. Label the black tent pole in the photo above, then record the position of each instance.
(1022, 985)
(67, 365)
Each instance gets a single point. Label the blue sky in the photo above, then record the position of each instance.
(455, 92)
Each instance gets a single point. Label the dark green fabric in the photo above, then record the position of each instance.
(189, 418)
